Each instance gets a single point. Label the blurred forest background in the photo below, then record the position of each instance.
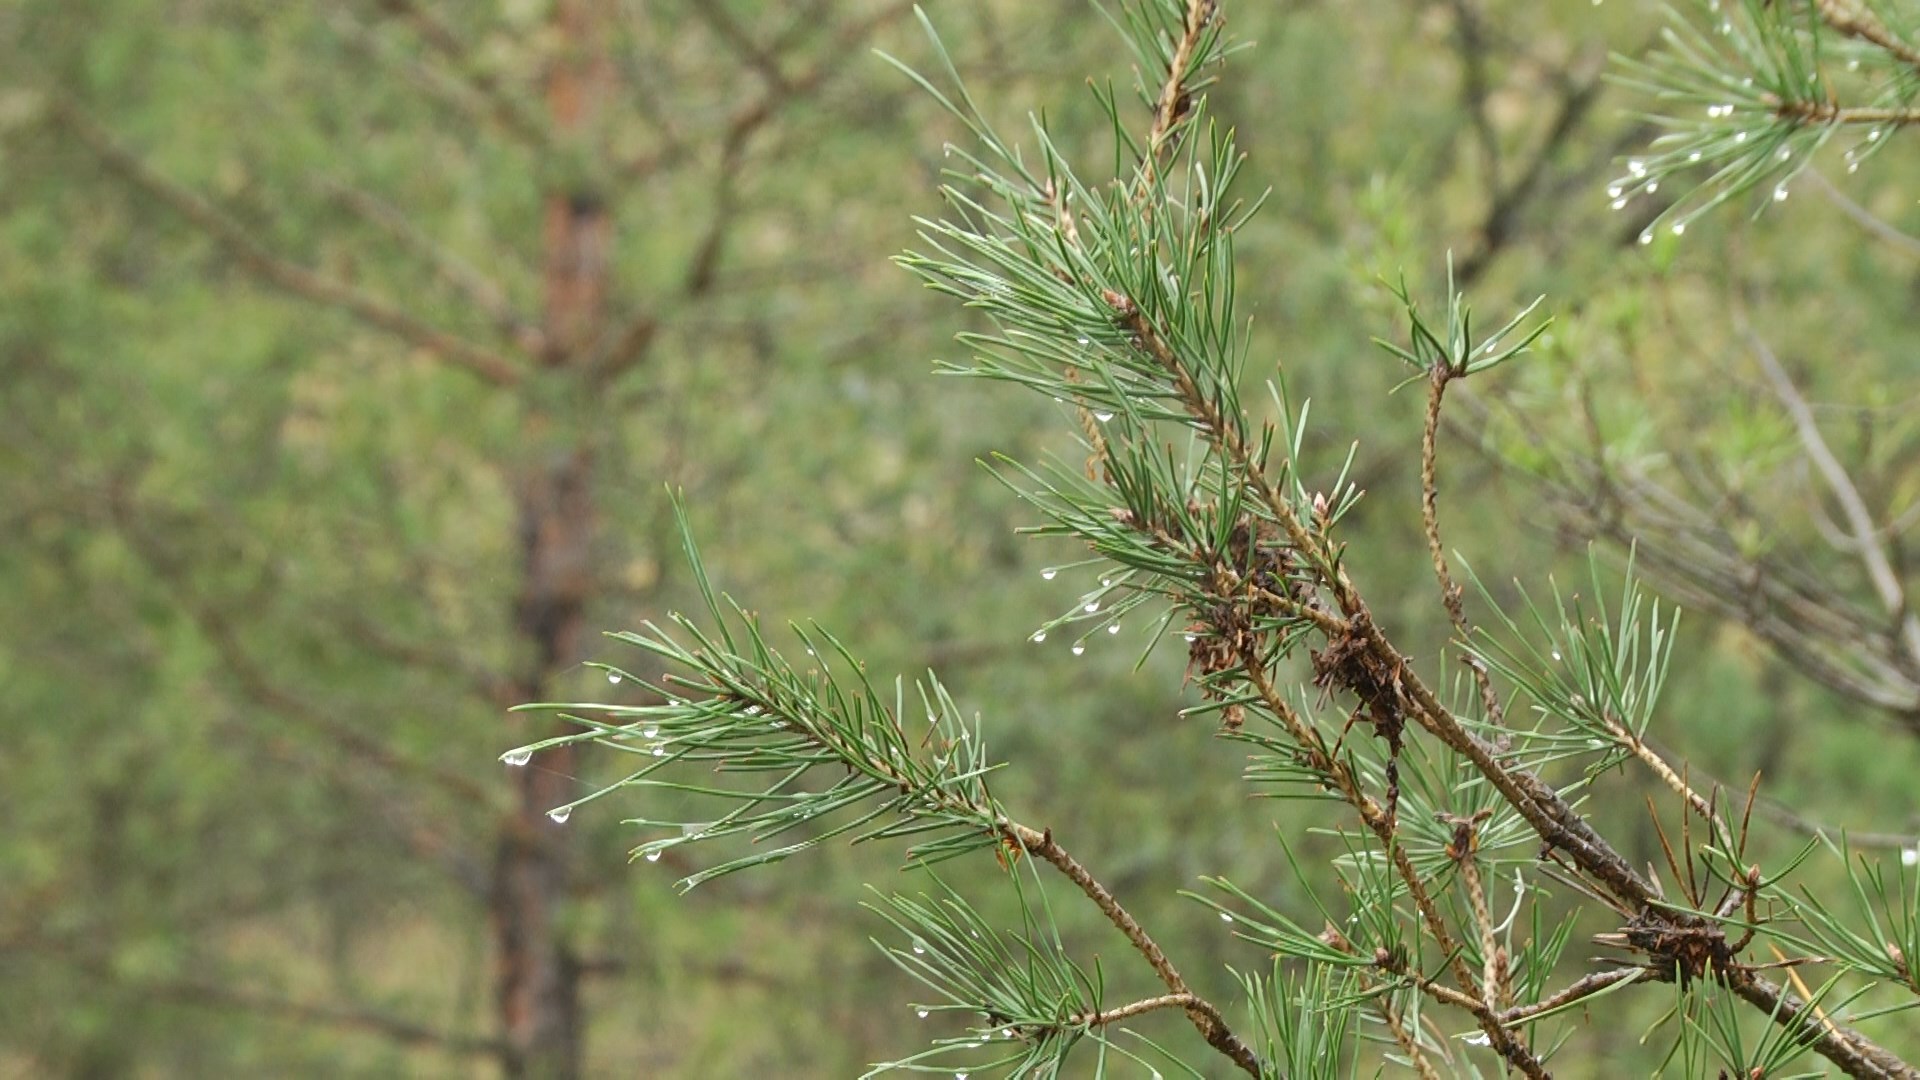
(347, 351)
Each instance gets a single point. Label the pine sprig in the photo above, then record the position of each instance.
(735, 704)
(1748, 92)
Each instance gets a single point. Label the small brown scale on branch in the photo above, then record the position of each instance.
(1350, 663)
(1252, 578)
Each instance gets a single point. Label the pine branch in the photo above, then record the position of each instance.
(733, 701)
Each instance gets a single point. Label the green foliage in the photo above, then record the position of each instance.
(212, 490)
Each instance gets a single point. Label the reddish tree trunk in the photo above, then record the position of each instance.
(538, 977)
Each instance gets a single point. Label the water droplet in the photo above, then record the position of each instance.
(959, 1076)
(1556, 654)
(1620, 203)
(1739, 136)
(1092, 607)
(659, 750)
(1113, 628)
(1910, 857)
(1039, 635)
(1103, 416)
(753, 710)
(1726, 28)
(1614, 191)
(1646, 238)
(653, 856)
(1048, 573)
(1478, 1039)
(1653, 186)
(1695, 156)
(1191, 637)
(519, 757)
(1226, 917)
(1784, 154)
(1853, 167)
(921, 1013)
(1078, 649)
(560, 814)
(1853, 65)
(1874, 135)
(1084, 341)
(613, 676)
(1780, 193)
(1679, 227)
(650, 731)
(919, 950)
(1105, 582)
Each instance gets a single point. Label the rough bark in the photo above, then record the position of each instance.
(538, 974)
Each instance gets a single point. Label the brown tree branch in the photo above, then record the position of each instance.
(1865, 531)
(507, 109)
(1450, 592)
(1861, 216)
(1205, 1016)
(482, 291)
(361, 1020)
(288, 276)
(257, 686)
(1856, 20)
(750, 115)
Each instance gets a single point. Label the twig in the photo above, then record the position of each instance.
(506, 109)
(1450, 591)
(365, 1021)
(287, 275)
(485, 293)
(1866, 535)
(1205, 1016)
(1864, 218)
(1132, 1009)
(1585, 986)
(1856, 20)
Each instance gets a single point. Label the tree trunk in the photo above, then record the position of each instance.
(537, 974)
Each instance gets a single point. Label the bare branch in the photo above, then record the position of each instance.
(751, 115)
(257, 686)
(361, 1020)
(485, 293)
(289, 276)
(1863, 217)
(506, 109)
(1206, 1017)
(1866, 533)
